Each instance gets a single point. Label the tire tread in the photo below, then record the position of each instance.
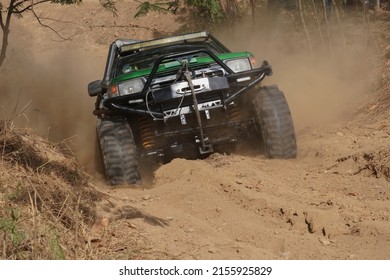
(118, 151)
(275, 121)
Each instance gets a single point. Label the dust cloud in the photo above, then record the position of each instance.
(45, 88)
(321, 86)
(51, 78)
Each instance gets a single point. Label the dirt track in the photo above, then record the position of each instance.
(326, 204)
(332, 202)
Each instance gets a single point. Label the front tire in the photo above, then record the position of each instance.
(275, 123)
(118, 151)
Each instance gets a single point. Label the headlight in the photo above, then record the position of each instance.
(131, 86)
(239, 65)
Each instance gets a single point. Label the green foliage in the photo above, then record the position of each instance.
(56, 251)
(9, 227)
(205, 10)
(209, 10)
(109, 5)
(17, 193)
(145, 7)
(66, 2)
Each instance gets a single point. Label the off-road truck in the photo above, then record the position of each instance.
(184, 96)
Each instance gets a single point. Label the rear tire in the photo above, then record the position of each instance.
(118, 151)
(275, 123)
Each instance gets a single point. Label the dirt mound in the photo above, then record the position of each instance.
(48, 206)
(376, 164)
(235, 207)
(47, 201)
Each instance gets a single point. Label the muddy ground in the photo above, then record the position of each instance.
(331, 202)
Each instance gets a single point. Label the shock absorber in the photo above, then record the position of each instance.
(233, 112)
(148, 137)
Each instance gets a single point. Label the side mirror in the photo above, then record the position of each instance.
(94, 88)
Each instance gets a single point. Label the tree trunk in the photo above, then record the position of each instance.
(6, 30)
(377, 5)
(253, 10)
(366, 23)
(4, 46)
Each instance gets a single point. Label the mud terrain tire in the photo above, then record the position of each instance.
(274, 119)
(118, 151)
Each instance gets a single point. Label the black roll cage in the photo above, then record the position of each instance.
(118, 48)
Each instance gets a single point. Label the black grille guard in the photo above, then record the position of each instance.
(115, 103)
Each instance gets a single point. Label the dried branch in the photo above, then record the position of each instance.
(16, 114)
(336, 8)
(318, 23)
(17, 102)
(131, 25)
(29, 6)
(60, 21)
(305, 26)
(109, 5)
(327, 28)
(51, 28)
(1, 21)
(123, 26)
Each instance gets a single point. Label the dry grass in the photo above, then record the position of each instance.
(46, 200)
(121, 239)
(378, 108)
(48, 206)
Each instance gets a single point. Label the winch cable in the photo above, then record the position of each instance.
(184, 66)
(187, 75)
(148, 109)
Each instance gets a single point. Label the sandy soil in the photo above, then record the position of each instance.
(329, 203)
(332, 202)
